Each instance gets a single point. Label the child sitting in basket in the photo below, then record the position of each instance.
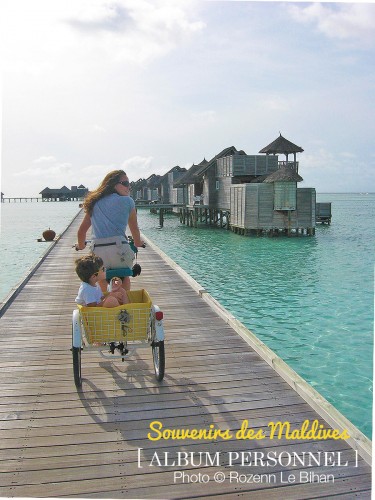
(90, 271)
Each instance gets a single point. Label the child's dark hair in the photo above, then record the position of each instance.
(87, 266)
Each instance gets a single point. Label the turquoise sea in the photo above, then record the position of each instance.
(310, 299)
(21, 225)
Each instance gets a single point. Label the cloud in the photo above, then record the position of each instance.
(102, 17)
(330, 172)
(138, 166)
(46, 172)
(354, 22)
(348, 155)
(44, 159)
(98, 128)
(208, 116)
(275, 103)
(135, 166)
(137, 31)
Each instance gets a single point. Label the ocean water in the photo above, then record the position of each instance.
(21, 225)
(310, 299)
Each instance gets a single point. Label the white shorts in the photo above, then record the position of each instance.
(115, 252)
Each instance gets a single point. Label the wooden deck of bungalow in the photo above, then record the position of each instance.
(60, 442)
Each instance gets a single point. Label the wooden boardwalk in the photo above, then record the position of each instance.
(57, 442)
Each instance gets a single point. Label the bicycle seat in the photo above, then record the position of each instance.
(121, 272)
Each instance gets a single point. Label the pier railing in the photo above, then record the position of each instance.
(291, 164)
(19, 199)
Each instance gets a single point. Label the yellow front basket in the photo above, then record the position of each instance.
(129, 322)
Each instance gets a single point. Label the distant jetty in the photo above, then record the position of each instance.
(75, 193)
(19, 199)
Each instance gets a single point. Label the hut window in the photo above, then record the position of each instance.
(285, 195)
(224, 167)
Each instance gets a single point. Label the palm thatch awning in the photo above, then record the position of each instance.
(190, 176)
(284, 174)
(281, 145)
(231, 150)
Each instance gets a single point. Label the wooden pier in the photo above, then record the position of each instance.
(195, 215)
(192, 215)
(19, 199)
(59, 442)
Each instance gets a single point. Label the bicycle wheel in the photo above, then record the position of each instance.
(158, 356)
(77, 366)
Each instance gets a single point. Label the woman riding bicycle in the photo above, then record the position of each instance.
(109, 210)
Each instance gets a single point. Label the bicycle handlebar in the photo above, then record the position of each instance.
(135, 249)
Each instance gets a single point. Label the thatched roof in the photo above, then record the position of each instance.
(281, 145)
(190, 176)
(62, 190)
(173, 170)
(259, 179)
(284, 174)
(195, 172)
(153, 181)
(231, 150)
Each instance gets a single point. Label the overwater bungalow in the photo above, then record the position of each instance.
(138, 190)
(254, 193)
(191, 183)
(169, 193)
(64, 193)
(274, 203)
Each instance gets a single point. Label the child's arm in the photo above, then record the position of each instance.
(98, 304)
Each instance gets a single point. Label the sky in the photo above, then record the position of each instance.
(89, 86)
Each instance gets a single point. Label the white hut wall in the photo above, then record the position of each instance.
(152, 194)
(164, 191)
(223, 192)
(306, 206)
(252, 206)
(173, 195)
(177, 195)
(206, 190)
(191, 194)
(237, 205)
(265, 219)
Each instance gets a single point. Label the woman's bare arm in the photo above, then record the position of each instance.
(134, 229)
(82, 231)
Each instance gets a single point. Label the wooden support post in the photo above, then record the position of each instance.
(195, 217)
(161, 217)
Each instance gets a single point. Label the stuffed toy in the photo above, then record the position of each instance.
(115, 290)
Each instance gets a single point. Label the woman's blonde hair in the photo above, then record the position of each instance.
(106, 187)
